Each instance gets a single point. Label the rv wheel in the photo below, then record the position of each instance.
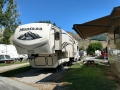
(65, 64)
(70, 63)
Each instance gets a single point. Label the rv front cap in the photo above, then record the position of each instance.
(31, 28)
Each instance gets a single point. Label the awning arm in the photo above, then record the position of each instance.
(111, 24)
(78, 32)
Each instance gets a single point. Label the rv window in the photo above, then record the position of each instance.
(57, 36)
(77, 48)
(108, 42)
(117, 35)
(2, 57)
(7, 57)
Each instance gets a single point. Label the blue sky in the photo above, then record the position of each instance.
(64, 13)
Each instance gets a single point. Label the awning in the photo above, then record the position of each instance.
(99, 26)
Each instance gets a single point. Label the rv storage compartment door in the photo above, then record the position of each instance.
(40, 61)
(58, 39)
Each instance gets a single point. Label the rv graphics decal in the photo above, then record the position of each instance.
(65, 44)
(29, 36)
(31, 28)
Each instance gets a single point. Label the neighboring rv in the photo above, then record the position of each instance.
(47, 46)
(76, 51)
(10, 50)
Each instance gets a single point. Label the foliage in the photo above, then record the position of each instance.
(54, 24)
(9, 18)
(47, 21)
(94, 46)
(82, 48)
(79, 77)
(15, 71)
(9, 64)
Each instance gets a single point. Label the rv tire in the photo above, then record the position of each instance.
(69, 63)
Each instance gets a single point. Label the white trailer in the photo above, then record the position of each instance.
(11, 51)
(47, 46)
(76, 51)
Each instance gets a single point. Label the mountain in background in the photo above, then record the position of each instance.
(101, 37)
(85, 42)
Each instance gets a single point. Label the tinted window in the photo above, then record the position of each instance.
(77, 48)
(2, 57)
(7, 57)
(57, 36)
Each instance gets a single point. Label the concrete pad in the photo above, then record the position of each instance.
(9, 84)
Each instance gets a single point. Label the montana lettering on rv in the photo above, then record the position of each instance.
(31, 28)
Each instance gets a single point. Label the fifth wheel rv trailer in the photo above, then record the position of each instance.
(76, 51)
(47, 46)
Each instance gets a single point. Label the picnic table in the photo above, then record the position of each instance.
(90, 62)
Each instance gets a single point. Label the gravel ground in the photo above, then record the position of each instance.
(43, 79)
(10, 67)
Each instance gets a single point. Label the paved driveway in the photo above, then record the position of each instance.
(9, 84)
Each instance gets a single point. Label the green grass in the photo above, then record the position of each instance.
(19, 70)
(8, 64)
(80, 77)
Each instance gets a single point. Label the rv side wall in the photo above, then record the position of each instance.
(68, 44)
(114, 51)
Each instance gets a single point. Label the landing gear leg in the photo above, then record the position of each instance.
(58, 68)
(69, 63)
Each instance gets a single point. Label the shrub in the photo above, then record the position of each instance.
(94, 46)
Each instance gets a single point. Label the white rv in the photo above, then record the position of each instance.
(11, 51)
(47, 46)
(76, 51)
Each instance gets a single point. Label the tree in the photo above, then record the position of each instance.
(82, 48)
(94, 46)
(47, 21)
(2, 18)
(54, 24)
(10, 19)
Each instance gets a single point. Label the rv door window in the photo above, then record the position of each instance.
(77, 48)
(7, 57)
(57, 36)
(2, 57)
